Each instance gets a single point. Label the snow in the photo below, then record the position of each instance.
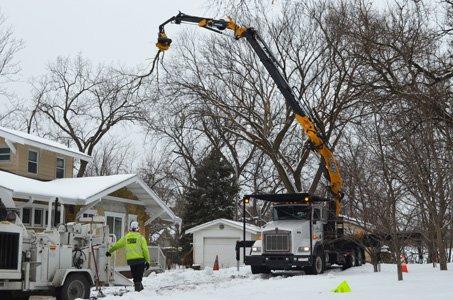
(85, 190)
(249, 227)
(69, 189)
(422, 282)
(42, 143)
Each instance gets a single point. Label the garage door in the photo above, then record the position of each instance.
(223, 247)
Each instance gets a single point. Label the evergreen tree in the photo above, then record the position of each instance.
(211, 195)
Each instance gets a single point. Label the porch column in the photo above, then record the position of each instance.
(49, 215)
(61, 213)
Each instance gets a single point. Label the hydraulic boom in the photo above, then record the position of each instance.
(270, 63)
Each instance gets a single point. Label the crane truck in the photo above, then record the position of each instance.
(65, 260)
(306, 231)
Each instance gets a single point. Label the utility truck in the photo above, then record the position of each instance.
(64, 260)
(306, 230)
(304, 234)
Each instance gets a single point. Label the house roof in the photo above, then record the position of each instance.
(86, 190)
(235, 224)
(357, 222)
(24, 138)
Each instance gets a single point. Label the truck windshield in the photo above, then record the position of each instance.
(291, 212)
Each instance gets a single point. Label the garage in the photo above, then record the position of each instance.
(221, 247)
(218, 238)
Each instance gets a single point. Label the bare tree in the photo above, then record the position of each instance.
(9, 68)
(111, 157)
(9, 46)
(82, 103)
(408, 78)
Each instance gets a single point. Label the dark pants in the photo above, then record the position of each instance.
(137, 269)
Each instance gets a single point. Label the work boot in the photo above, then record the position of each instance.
(138, 286)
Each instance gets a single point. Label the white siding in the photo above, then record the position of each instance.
(228, 234)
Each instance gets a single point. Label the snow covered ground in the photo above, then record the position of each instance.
(422, 282)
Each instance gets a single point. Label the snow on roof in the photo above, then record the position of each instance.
(239, 225)
(28, 139)
(356, 221)
(74, 190)
(85, 190)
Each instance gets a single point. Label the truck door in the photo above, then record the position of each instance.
(317, 225)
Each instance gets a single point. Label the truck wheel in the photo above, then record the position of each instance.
(358, 258)
(75, 286)
(318, 264)
(350, 261)
(260, 270)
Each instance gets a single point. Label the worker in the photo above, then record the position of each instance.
(137, 254)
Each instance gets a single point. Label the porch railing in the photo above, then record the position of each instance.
(158, 259)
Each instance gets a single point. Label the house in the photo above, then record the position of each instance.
(35, 157)
(36, 175)
(218, 238)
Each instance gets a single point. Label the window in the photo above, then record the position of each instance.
(324, 214)
(26, 216)
(291, 212)
(5, 154)
(38, 221)
(89, 213)
(115, 223)
(32, 162)
(316, 214)
(60, 168)
(34, 216)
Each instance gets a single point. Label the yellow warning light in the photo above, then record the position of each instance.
(246, 200)
(306, 199)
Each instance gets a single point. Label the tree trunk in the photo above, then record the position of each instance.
(450, 246)
(82, 169)
(398, 265)
(420, 254)
(374, 259)
(441, 249)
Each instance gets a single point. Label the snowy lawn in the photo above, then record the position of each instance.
(422, 282)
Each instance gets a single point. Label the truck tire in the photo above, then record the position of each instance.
(350, 261)
(75, 286)
(318, 265)
(260, 270)
(358, 258)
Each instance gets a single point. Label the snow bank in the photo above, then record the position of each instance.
(422, 282)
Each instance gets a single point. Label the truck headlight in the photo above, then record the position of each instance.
(303, 249)
(256, 249)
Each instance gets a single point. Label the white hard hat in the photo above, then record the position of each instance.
(134, 225)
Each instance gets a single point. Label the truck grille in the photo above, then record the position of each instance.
(9, 250)
(279, 241)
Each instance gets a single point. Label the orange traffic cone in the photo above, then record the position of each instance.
(216, 264)
(404, 268)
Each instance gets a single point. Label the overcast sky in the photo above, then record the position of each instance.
(118, 31)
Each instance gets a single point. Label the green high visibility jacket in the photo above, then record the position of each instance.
(136, 247)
